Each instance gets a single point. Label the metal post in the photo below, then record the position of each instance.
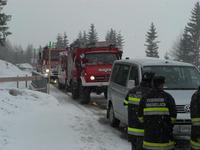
(49, 68)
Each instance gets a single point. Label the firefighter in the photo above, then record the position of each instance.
(157, 110)
(195, 116)
(135, 128)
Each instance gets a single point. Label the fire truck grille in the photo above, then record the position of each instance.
(102, 78)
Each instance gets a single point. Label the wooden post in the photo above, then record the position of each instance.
(17, 82)
(26, 81)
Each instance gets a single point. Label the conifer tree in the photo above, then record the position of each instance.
(184, 51)
(111, 37)
(3, 23)
(92, 35)
(193, 28)
(120, 41)
(85, 38)
(65, 41)
(59, 42)
(151, 42)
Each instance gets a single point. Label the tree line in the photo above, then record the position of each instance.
(90, 38)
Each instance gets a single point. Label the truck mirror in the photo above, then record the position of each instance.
(131, 84)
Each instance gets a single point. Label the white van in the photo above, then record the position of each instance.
(182, 80)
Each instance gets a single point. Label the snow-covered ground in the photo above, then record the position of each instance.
(33, 120)
(9, 70)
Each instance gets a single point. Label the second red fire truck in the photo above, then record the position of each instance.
(87, 69)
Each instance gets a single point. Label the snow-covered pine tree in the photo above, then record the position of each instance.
(92, 35)
(85, 38)
(65, 40)
(111, 37)
(59, 42)
(151, 43)
(120, 41)
(193, 28)
(3, 23)
(184, 51)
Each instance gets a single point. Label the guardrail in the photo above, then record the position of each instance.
(39, 81)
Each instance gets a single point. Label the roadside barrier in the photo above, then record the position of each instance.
(39, 81)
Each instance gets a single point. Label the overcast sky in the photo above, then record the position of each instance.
(39, 21)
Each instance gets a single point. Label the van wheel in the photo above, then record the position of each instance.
(85, 95)
(114, 122)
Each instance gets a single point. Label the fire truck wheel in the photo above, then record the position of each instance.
(75, 92)
(60, 85)
(85, 96)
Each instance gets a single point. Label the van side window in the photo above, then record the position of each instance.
(115, 72)
(122, 75)
(134, 75)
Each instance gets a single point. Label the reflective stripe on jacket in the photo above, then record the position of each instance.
(195, 145)
(156, 111)
(135, 131)
(158, 146)
(196, 121)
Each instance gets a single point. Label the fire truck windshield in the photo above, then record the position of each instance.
(100, 58)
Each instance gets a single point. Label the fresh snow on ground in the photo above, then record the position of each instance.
(9, 70)
(33, 120)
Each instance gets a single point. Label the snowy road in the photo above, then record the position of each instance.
(96, 132)
(90, 123)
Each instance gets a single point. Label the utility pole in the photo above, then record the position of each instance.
(49, 75)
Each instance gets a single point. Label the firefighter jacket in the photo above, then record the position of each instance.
(135, 127)
(195, 117)
(157, 110)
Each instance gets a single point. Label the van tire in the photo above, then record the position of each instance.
(114, 122)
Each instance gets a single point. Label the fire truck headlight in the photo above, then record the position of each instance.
(92, 78)
(47, 70)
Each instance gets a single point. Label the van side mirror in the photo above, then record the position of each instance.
(131, 84)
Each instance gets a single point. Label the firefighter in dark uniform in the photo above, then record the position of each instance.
(195, 116)
(157, 110)
(135, 128)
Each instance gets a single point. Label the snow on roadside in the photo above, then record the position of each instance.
(33, 120)
(16, 112)
(10, 70)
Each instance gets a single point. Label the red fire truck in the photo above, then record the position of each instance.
(43, 63)
(87, 69)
